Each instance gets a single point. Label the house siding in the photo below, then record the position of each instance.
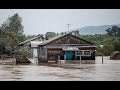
(42, 53)
(52, 54)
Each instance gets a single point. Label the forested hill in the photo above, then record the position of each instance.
(91, 30)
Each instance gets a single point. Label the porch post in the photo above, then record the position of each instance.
(65, 55)
(102, 59)
(80, 61)
(46, 53)
(59, 61)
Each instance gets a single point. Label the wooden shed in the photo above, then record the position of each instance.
(68, 47)
(115, 55)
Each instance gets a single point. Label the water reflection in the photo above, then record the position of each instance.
(110, 70)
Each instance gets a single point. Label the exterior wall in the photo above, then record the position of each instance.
(35, 52)
(41, 53)
(52, 54)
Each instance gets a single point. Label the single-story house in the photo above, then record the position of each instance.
(67, 47)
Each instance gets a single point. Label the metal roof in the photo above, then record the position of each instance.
(54, 38)
(35, 43)
(31, 39)
(70, 49)
(56, 46)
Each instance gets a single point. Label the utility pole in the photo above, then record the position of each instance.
(68, 27)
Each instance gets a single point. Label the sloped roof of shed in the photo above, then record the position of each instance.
(31, 39)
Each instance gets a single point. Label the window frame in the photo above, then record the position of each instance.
(83, 51)
(89, 51)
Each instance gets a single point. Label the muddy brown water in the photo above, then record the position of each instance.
(109, 71)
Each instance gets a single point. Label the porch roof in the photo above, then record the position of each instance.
(64, 46)
(70, 49)
(35, 43)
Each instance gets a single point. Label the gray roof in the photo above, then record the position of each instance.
(31, 39)
(59, 46)
(70, 49)
(35, 43)
(54, 38)
(57, 37)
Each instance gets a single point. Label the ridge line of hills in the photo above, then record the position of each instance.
(92, 30)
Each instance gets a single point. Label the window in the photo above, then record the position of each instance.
(78, 53)
(83, 53)
(87, 53)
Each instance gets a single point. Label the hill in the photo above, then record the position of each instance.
(91, 30)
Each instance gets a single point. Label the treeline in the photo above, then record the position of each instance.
(110, 42)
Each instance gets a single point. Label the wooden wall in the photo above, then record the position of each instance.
(52, 54)
(42, 53)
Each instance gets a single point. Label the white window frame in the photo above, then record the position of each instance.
(89, 51)
(79, 51)
(83, 51)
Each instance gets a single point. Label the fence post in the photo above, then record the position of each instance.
(102, 59)
(80, 61)
(59, 61)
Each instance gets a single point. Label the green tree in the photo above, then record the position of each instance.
(62, 33)
(114, 31)
(109, 31)
(11, 33)
(49, 35)
(116, 45)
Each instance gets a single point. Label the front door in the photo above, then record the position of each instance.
(68, 55)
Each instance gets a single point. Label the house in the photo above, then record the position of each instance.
(68, 47)
(32, 44)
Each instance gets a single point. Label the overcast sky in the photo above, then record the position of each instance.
(40, 21)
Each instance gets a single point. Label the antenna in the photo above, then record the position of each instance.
(68, 27)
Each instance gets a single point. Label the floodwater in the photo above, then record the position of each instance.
(108, 71)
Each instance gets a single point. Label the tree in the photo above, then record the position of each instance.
(11, 33)
(114, 31)
(57, 34)
(109, 31)
(49, 35)
(116, 44)
(62, 33)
